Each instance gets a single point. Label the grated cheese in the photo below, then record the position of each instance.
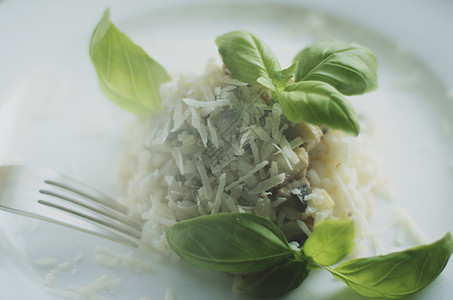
(219, 145)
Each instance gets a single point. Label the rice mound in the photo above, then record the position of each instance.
(219, 145)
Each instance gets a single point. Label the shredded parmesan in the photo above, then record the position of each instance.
(219, 145)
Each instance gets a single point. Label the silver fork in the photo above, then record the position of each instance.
(50, 196)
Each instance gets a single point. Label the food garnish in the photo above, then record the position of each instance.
(247, 244)
(311, 91)
(323, 73)
(126, 73)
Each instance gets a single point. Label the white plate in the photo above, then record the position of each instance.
(52, 114)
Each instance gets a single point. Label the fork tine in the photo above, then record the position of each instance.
(47, 195)
(75, 221)
(122, 223)
(78, 187)
(90, 217)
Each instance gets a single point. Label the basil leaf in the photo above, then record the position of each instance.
(281, 78)
(397, 274)
(349, 68)
(277, 281)
(330, 242)
(266, 82)
(126, 74)
(246, 56)
(229, 242)
(318, 103)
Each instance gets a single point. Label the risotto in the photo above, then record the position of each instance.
(218, 146)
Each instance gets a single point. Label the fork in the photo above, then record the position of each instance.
(48, 195)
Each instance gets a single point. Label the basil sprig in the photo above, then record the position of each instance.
(349, 68)
(330, 241)
(302, 100)
(246, 56)
(257, 249)
(276, 281)
(236, 243)
(324, 72)
(328, 70)
(397, 274)
(126, 73)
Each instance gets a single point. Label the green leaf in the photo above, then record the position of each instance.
(397, 274)
(229, 242)
(246, 56)
(318, 103)
(281, 78)
(126, 74)
(349, 68)
(330, 242)
(276, 281)
(266, 82)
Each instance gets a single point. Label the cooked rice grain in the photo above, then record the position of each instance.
(219, 145)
